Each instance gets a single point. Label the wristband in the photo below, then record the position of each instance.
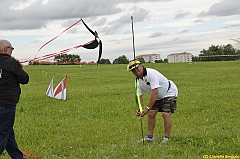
(148, 108)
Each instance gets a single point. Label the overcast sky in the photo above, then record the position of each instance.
(160, 26)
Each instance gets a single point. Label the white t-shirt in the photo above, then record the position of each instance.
(154, 79)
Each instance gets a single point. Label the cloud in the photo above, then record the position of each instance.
(223, 8)
(183, 31)
(233, 26)
(198, 21)
(158, 34)
(35, 14)
(113, 26)
(159, 25)
(181, 14)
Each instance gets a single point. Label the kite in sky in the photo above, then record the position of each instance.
(89, 45)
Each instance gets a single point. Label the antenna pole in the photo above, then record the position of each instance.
(133, 39)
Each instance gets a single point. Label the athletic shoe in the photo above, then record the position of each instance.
(147, 139)
(165, 139)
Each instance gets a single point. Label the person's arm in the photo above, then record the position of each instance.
(21, 75)
(151, 101)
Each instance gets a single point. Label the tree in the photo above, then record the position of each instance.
(161, 61)
(104, 61)
(229, 49)
(203, 52)
(141, 60)
(219, 53)
(121, 60)
(67, 58)
(195, 58)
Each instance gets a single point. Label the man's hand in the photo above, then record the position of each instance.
(137, 113)
(145, 111)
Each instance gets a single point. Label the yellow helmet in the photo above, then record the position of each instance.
(133, 64)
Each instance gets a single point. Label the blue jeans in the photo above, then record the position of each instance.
(7, 138)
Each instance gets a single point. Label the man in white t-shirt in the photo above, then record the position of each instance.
(163, 97)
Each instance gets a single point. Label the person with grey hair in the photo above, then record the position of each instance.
(11, 76)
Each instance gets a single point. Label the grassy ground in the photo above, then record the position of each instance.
(98, 118)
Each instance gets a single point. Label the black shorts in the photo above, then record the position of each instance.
(168, 105)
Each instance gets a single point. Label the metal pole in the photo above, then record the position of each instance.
(133, 39)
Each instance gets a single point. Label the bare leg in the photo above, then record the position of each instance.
(151, 121)
(167, 123)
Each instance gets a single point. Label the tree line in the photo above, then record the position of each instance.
(218, 53)
(213, 53)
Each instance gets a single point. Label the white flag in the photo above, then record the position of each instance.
(50, 89)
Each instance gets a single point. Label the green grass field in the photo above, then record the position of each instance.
(98, 119)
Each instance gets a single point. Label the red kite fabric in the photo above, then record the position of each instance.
(89, 45)
(60, 90)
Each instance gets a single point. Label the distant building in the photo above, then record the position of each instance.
(179, 57)
(149, 57)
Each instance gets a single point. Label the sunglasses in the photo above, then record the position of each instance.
(133, 66)
(11, 48)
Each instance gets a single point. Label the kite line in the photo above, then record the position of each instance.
(58, 35)
(89, 45)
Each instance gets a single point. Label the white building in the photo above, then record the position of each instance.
(149, 57)
(179, 57)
